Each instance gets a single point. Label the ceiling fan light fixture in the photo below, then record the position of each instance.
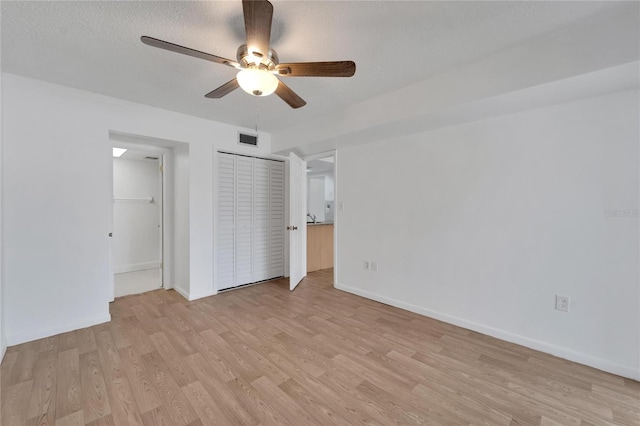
(257, 82)
(252, 59)
(257, 63)
(117, 152)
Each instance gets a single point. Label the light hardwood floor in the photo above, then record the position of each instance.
(263, 355)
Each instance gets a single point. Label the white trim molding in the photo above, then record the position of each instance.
(132, 267)
(35, 334)
(195, 296)
(558, 351)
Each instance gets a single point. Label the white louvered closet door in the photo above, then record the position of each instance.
(260, 220)
(244, 220)
(226, 233)
(276, 219)
(250, 246)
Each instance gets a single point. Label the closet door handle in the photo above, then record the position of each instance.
(292, 228)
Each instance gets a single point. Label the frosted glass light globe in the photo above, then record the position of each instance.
(257, 82)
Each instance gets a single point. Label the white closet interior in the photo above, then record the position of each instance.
(250, 236)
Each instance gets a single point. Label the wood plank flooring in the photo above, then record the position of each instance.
(262, 355)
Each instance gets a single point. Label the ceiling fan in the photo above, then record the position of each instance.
(257, 63)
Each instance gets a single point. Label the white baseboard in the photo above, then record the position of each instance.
(193, 296)
(30, 335)
(196, 296)
(182, 292)
(132, 267)
(559, 351)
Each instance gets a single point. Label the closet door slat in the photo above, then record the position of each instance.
(244, 220)
(276, 219)
(260, 219)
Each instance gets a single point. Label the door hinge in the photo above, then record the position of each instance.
(162, 169)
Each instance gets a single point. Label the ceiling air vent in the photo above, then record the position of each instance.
(245, 139)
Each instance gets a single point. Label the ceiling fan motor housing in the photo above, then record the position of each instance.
(254, 59)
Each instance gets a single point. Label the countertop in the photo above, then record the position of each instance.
(319, 223)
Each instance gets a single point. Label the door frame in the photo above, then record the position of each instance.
(166, 183)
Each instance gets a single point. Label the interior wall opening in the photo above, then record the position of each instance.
(137, 236)
(320, 212)
(169, 160)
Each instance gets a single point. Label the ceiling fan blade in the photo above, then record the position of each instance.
(150, 41)
(223, 90)
(258, 15)
(317, 69)
(289, 96)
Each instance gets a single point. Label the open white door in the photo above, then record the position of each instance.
(297, 227)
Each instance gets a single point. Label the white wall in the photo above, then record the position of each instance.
(329, 197)
(321, 191)
(181, 220)
(57, 198)
(482, 224)
(329, 187)
(3, 335)
(315, 197)
(136, 231)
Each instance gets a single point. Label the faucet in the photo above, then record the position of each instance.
(312, 216)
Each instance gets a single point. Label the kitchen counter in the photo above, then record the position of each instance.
(319, 246)
(319, 223)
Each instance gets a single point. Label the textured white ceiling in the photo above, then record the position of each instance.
(319, 166)
(95, 46)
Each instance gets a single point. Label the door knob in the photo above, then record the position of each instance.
(295, 228)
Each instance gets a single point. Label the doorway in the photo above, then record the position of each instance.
(137, 243)
(320, 213)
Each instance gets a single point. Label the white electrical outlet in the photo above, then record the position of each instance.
(365, 265)
(374, 266)
(563, 303)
